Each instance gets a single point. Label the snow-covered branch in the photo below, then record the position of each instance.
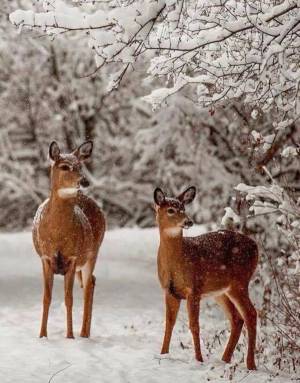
(222, 50)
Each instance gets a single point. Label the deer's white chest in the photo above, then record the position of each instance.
(65, 193)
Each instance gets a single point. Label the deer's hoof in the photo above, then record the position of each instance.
(226, 359)
(199, 358)
(164, 351)
(70, 336)
(251, 365)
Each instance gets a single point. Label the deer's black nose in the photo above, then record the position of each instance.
(84, 182)
(188, 223)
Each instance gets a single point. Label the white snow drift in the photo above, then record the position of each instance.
(127, 324)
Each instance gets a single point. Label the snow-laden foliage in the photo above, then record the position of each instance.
(280, 251)
(43, 98)
(223, 49)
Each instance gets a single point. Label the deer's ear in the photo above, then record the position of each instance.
(54, 151)
(159, 196)
(188, 195)
(84, 151)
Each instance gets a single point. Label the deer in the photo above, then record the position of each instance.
(68, 230)
(216, 264)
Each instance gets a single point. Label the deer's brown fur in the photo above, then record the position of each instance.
(218, 264)
(67, 232)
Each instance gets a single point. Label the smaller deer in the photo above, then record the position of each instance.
(67, 232)
(218, 264)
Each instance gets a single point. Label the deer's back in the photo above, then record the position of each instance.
(217, 259)
(225, 247)
(209, 264)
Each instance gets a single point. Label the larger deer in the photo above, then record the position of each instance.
(218, 264)
(67, 232)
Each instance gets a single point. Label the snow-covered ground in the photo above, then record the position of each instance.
(127, 324)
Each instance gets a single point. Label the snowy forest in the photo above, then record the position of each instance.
(172, 93)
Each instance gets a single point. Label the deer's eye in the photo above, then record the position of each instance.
(64, 167)
(171, 211)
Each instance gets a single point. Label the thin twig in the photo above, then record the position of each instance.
(58, 372)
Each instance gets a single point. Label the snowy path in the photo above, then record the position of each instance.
(127, 324)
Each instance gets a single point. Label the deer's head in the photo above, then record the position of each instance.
(170, 212)
(66, 169)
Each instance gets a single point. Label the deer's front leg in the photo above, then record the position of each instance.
(89, 282)
(193, 306)
(48, 285)
(172, 307)
(69, 283)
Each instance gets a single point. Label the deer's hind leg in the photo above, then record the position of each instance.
(89, 282)
(241, 300)
(236, 324)
(69, 283)
(48, 285)
(172, 307)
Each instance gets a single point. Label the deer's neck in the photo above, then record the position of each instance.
(61, 207)
(170, 244)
